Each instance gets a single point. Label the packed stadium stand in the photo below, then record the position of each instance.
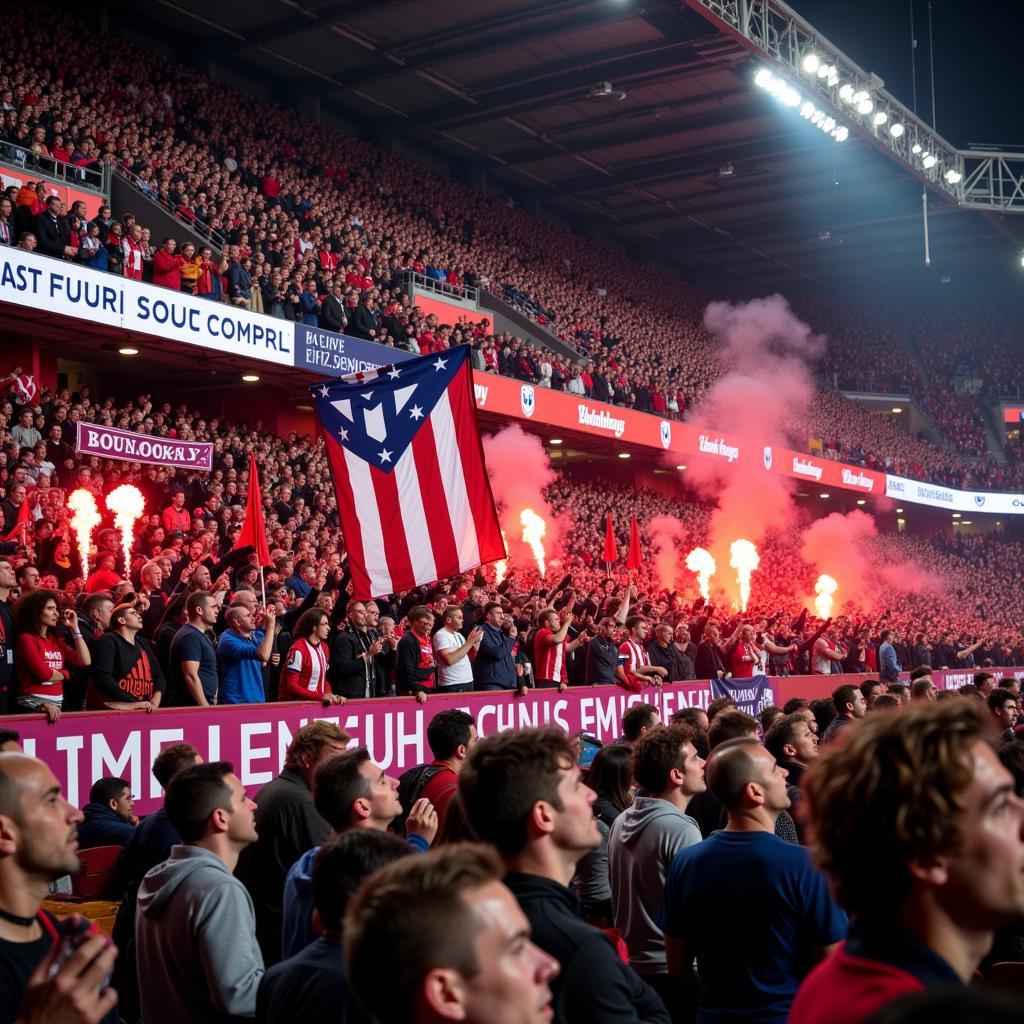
(614, 757)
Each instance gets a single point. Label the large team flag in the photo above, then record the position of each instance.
(254, 530)
(414, 500)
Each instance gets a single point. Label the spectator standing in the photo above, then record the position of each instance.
(353, 654)
(664, 653)
(53, 235)
(126, 674)
(109, 816)
(925, 791)
(306, 666)
(150, 844)
(454, 652)
(167, 264)
(521, 792)
(351, 792)
(288, 824)
(242, 652)
(642, 844)
(40, 656)
(550, 647)
(193, 662)
(40, 846)
(451, 735)
(748, 906)
(414, 656)
(494, 667)
(195, 929)
(888, 665)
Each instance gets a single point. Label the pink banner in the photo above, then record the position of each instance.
(86, 746)
(111, 443)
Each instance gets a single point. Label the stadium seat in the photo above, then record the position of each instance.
(98, 865)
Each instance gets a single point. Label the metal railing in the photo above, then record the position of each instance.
(95, 178)
(440, 288)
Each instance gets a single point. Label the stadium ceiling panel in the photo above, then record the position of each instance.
(637, 119)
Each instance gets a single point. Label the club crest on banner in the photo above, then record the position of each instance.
(767, 457)
(979, 500)
(527, 400)
(666, 433)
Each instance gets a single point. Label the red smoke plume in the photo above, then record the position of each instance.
(519, 470)
(764, 350)
(667, 534)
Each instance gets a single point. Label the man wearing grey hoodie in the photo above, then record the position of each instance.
(643, 842)
(195, 932)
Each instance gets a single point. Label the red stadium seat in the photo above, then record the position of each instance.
(98, 865)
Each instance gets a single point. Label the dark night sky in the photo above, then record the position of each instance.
(977, 51)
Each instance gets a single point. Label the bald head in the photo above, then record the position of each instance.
(732, 766)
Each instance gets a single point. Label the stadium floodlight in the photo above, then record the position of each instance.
(841, 134)
(865, 107)
(859, 97)
(828, 124)
(811, 63)
(896, 130)
(846, 93)
(953, 177)
(763, 78)
(929, 161)
(807, 110)
(915, 148)
(823, 70)
(880, 118)
(833, 77)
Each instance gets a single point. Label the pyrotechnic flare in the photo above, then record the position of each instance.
(534, 529)
(702, 562)
(743, 557)
(825, 588)
(127, 504)
(501, 568)
(85, 519)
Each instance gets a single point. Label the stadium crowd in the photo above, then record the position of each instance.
(321, 228)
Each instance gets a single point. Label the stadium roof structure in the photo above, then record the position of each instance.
(639, 119)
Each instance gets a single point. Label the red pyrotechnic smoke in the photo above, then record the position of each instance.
(127, 504)
(666, 533)
(764, 350)
(519, 470)
(85, 519)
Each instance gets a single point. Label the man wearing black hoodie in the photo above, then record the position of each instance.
(521, 792)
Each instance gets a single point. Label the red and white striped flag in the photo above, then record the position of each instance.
(404, 447)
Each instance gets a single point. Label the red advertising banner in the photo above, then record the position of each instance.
(505, 397)
(86, 746)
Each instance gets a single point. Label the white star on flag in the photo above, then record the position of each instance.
(393, 374)
(416, 412)
(440, 364)
(384, 456)
(323, 391)
(343, 434)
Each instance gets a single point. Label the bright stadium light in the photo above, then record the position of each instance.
(880, 118)
(841, 134)
(832, 80)
(791, 97)
(811, 63)
(859, 97)
(865, 107)
(929, 161)
(915, 148)
(953, 177)
(763, 78)
(846, 93)
(896, 130)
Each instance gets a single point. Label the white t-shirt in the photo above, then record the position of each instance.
(462, 670)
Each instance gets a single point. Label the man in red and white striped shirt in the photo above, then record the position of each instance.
(638, 668)
(550, 646)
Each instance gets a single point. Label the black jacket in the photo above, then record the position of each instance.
(288, 825)
(52, 234)
(410, 676)
(361, 321)
(679, 666)
(349, 674)
(593, 984)
(117, 674)
(709, 661)
(332, 315)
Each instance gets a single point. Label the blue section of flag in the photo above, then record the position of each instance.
(377, 418)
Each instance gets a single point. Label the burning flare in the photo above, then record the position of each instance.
(127, 504)
(825, 588)
(702, 562)
(534, 529)
(85, 519)
(501, 568)
(743, 557)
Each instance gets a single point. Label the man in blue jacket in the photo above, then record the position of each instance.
(888, 665)
(109, 815)
(494, 667)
